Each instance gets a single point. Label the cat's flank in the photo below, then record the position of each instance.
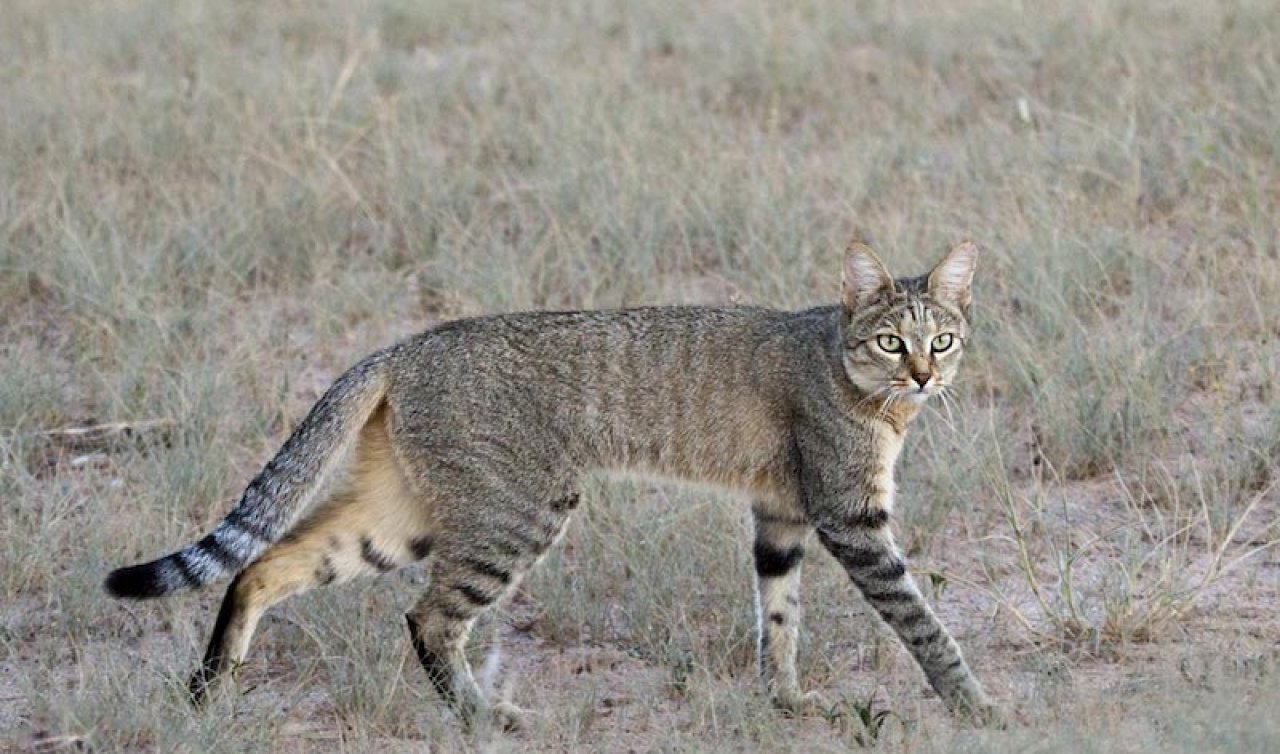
(470, 441)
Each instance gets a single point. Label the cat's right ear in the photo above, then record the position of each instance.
(865, 278)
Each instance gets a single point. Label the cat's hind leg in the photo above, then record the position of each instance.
(476, 562)
(373, 525)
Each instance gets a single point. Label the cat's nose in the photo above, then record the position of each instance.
(921, 378)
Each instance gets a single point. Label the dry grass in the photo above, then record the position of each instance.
(207, 210)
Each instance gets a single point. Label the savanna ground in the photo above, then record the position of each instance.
(208, 210)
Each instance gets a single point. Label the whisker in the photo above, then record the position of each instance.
(946, 405)
(874, 395)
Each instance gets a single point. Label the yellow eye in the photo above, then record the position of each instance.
(890, 343)
(942, 342)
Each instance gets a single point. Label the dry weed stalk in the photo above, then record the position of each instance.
(1149, 589)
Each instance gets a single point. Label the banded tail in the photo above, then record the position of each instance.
(277, 496)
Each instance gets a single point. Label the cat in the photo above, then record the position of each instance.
(470, 440)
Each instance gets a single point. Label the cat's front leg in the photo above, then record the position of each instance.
(872, 560)
(778, 552)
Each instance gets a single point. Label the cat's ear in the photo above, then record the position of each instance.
(951, 280)
(865, 278)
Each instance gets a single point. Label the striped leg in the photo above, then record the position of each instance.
(462, 587)
(778, 550)
(877, 568)
(438, 628)
(473, 568)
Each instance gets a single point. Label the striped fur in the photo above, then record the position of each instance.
(470, 440)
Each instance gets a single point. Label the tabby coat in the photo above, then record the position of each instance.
(471, 438)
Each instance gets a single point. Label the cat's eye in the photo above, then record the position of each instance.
(942, 342)
(890, 343)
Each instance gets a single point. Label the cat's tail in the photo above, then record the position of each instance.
(277, 496)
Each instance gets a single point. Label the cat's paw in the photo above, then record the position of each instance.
(485, 719)
(806, 704)
(982, 713)
(508, 717)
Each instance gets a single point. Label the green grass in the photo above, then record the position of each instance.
(208, 210)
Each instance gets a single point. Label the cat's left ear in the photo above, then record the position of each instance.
(951, 280)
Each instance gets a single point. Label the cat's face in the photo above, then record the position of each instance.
(903, 339)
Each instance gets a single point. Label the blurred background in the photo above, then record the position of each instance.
(209, 210)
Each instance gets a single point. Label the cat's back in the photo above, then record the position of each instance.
(631, 384)
(586, 324)
(518, 341)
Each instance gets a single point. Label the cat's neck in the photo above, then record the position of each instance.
(896, 414)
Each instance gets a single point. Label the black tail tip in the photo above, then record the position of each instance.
(139, 582)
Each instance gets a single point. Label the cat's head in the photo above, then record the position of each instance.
(903, 338)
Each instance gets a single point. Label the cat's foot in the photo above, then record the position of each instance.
(803, 704)
(981, 713)
(499, 717)
(508, 717)
(199, 686)
(209, 678)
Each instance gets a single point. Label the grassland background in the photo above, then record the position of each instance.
(208, 210)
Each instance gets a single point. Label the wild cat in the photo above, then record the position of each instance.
(471, 438)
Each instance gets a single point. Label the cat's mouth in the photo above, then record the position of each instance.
(915, 393)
